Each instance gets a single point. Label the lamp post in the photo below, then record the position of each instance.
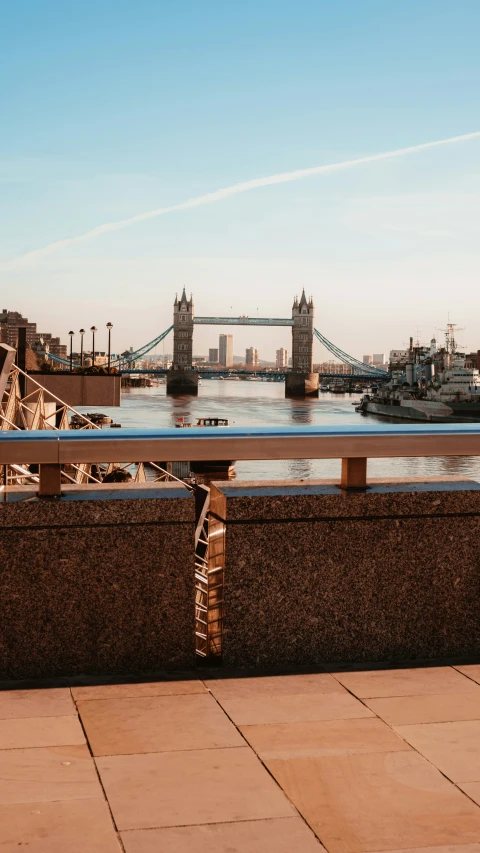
(71, 350)
(93, 329)
(109, 327)
(82, 332)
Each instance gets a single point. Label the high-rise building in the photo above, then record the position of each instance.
(367, 359)
(213, 356)
(11, 321)
(225, 350)
(251, 356)
(281, 357)
(379, 358)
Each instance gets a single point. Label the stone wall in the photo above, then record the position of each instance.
(100, 581)
(77, 390)
(316, 575)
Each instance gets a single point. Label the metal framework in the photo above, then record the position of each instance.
(358, 367)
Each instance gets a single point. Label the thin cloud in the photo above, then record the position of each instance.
(219, 195)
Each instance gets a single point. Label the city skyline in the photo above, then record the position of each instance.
(204, 101)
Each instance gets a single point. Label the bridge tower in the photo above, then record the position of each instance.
(301, 381)
(182, 379)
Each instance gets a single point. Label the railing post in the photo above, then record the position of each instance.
(354, 473)
(50, 484)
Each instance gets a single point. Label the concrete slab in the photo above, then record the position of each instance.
(156, 724)
(472, 789)
(244, 688)
(430, 708)
(40, 731)
(291, 708)
(360, 803)
(55, 702)
(471, 670)
(138, 690)
(453, 747)
(404, 682)
(72, 826)
(48, 774)
(282, 835)
(182, 788)
(331, 737)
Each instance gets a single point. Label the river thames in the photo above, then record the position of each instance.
(247, 403)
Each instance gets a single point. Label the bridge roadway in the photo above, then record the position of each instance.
(243, 321)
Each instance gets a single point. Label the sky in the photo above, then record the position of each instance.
(114, 108)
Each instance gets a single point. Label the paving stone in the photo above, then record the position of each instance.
(453, 747)
(330, 737)
(472, 789)
(40, 731)
(471, 670)
(156, 724)
(137, 691)
(47, 774)
(282, 835)
(429, 708)
(404, 682)
(54, 702)
(360, 803)
(244, 688)
(291, 707)
(182, 788)
(72, 826)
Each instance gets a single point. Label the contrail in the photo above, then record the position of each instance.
(246, 186)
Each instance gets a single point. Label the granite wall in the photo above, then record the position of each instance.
(317, 575)
(100, 581)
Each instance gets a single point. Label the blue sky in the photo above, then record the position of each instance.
(114, 108)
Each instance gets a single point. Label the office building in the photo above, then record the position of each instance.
(367, 359)
(378, 358)
(225, 350)
(281, 357)
(251, 356)
(213, 356)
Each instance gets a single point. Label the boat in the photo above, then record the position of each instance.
(323, 387)
(337, 388)
(224, 467)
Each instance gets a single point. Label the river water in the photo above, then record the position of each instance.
(247, 403)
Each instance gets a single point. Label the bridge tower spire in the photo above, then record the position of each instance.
(182, 379)
(302, 381)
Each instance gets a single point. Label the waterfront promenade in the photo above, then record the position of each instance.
(343, 761)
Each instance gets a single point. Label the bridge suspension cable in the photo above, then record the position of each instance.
(139, 353)
(354, 363)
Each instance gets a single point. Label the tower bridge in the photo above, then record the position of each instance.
(300, 379)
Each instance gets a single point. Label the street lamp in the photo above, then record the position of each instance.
(93, 329)
(71, 350)
(109, 327)
(82, 332)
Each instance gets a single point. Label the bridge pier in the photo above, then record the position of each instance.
(182, 382)
(298, 384)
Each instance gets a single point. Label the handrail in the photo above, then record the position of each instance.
(239, 443)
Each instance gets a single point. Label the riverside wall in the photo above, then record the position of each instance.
(100, 581)
(316, 575)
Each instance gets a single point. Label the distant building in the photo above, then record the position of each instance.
(199, 359)
(213, 356)
(378, 359)
(281, 357)
(367, 359)
(251, 356)
(225, 350)
(11, 321)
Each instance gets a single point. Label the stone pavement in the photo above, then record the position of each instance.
(348, 762)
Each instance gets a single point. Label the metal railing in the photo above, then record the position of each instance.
(353, 445)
